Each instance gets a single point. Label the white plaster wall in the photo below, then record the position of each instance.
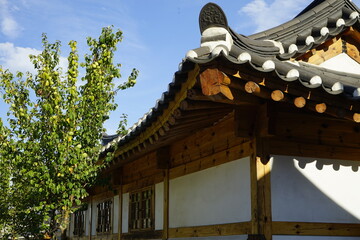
(343, 63)
(216, 195)
(115, 214)
(159, 206)
(68, 229)
(315, 190)
(125, 213)
(94, 217)
(71, 228)
(87, 220)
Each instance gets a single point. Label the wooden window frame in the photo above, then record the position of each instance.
(144, 221)
(79, 223)
(104, 217)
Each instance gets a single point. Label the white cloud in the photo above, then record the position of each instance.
(17, 58)
(267, 15)
(8, 26)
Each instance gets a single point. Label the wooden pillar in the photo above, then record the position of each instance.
(260, 171)
(163, 162)
(166, 205)
(260, 193)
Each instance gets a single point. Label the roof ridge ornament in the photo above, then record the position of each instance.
(211, 15)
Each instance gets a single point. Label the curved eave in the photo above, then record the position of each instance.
(323, 84)
(155, 114)
(312, 28)
(175, 115)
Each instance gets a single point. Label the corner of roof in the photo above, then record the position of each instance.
(317, 3)
(211, 15)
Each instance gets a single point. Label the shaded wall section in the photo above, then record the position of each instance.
(315, 190)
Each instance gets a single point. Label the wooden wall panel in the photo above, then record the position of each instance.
(315, 229)
(316, 130)
(205, 143)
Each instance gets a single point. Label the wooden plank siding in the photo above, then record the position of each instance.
(316, 229)
(204, 149)
(240, 228)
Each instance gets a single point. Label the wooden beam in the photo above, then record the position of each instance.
(212, 159)
(300, 102)
(288, 147)
(356, 117)
(240, 98)
(314, 129)
(163, 157)
(254, 88)
(199, 105)
(293, 89)
(277, 95)
(320, 107)
(240, 228)
(316, 229)
(140, 235)
(213, 81)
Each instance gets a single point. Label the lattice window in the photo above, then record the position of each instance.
(104, 217)
(79, 223)
(142, 210)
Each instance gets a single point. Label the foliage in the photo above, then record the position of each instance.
(50, 145)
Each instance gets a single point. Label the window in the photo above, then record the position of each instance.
(142, 210)
(104, 217)
(79, 223)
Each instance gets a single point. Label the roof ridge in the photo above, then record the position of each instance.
(316, 3)
(314, 8)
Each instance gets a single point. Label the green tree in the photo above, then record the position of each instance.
(49, 148)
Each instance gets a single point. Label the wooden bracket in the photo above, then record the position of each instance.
(213, 81)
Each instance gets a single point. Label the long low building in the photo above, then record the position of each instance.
(257, 137)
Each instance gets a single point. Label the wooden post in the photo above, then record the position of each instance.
(261, 218)
(260, 193)
(166, 205)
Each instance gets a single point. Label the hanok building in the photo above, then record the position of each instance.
(257, 137)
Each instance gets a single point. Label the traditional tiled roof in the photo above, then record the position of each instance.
(268, 52)
(320, 21)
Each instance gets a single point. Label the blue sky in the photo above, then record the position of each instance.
(157, 35)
